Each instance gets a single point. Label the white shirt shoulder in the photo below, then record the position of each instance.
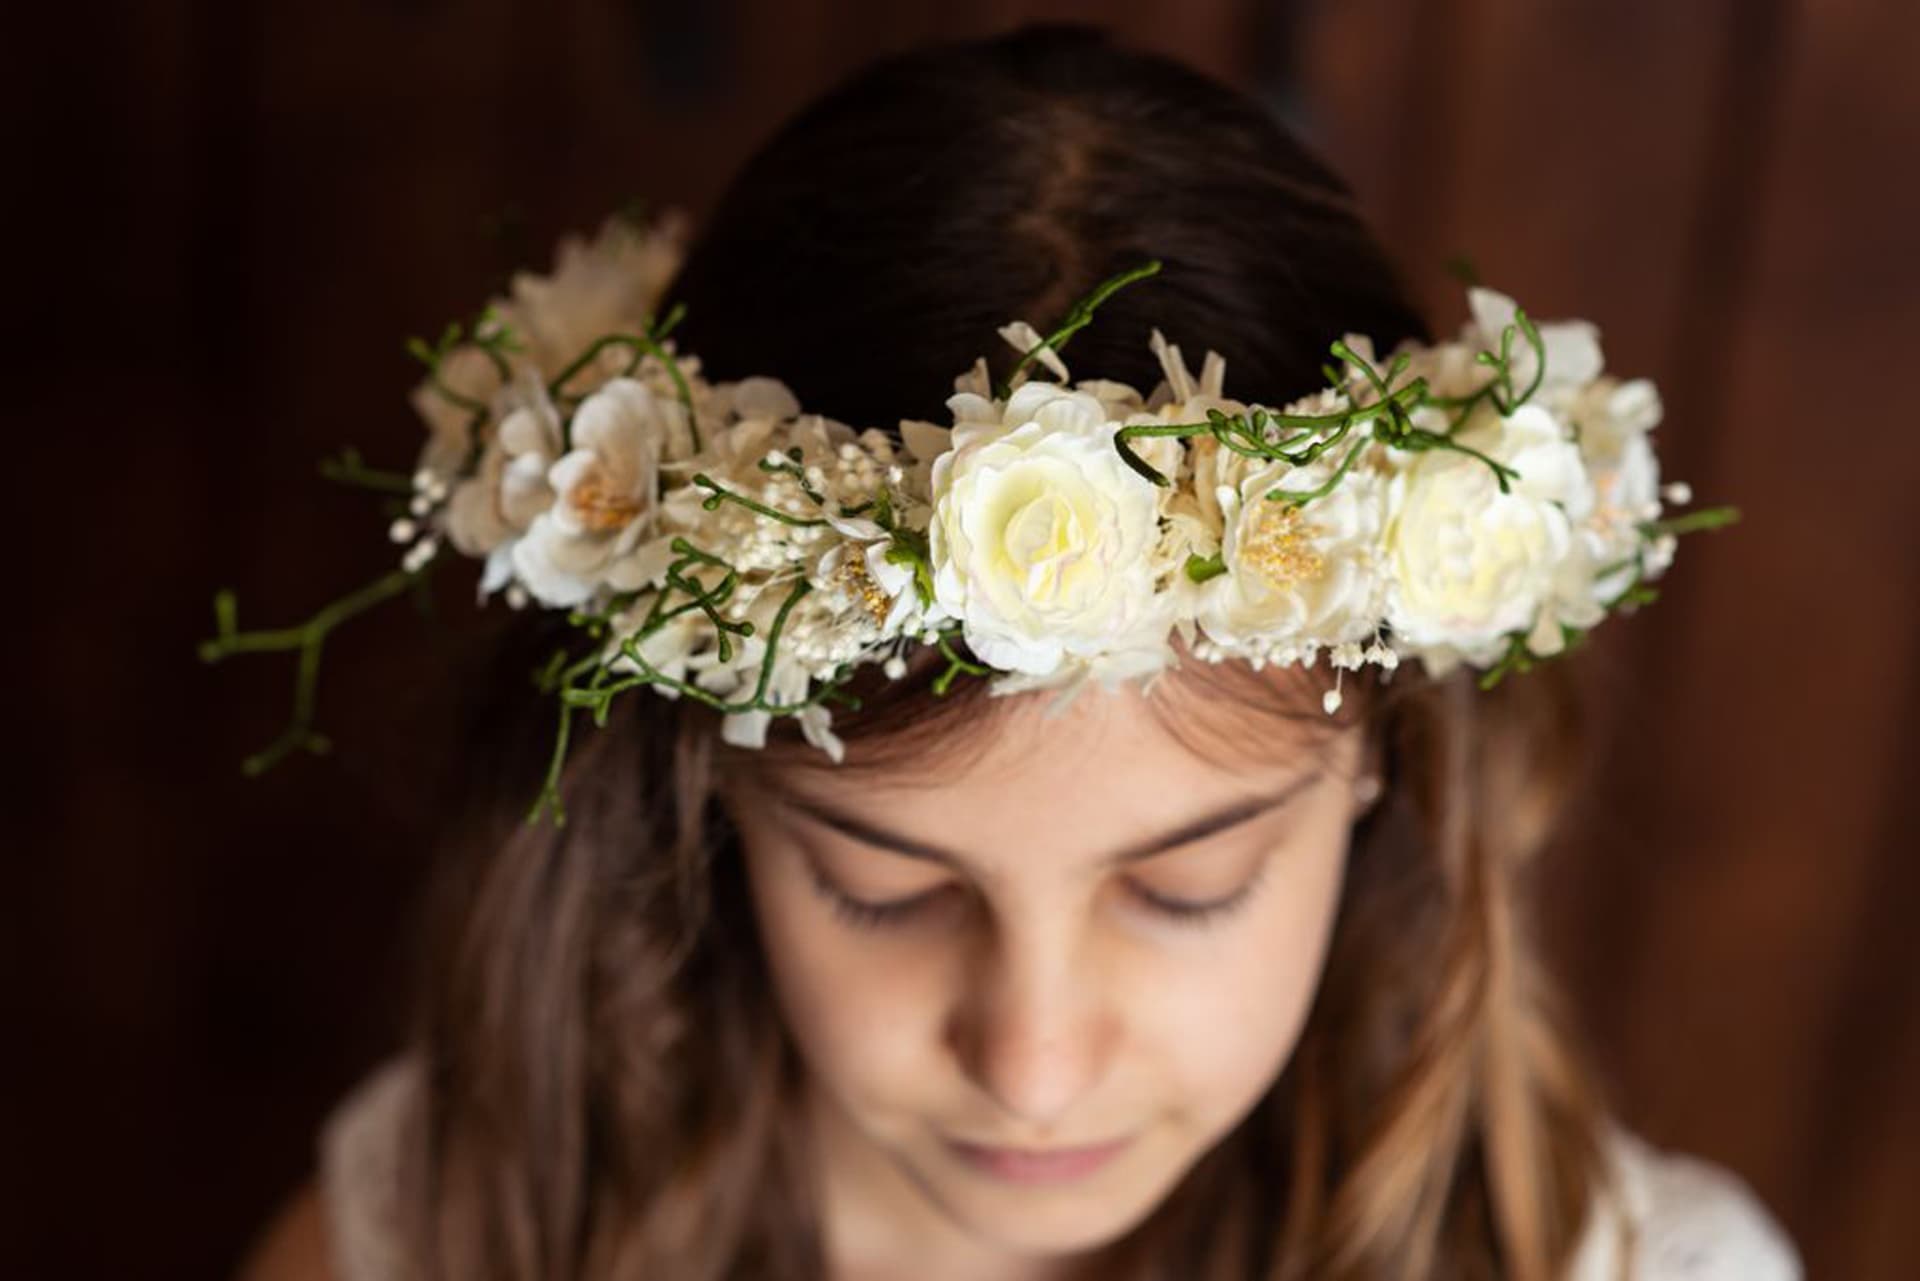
(1675, 1217)
(360, 1158)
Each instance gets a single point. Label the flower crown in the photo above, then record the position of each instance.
(1484, 501)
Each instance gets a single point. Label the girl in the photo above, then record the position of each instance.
(1183, 980)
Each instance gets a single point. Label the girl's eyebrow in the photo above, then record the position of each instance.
(1223, 819)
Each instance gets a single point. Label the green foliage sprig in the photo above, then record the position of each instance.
(348, 469)
(308, 638)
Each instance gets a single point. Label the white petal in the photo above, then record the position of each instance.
(759, 397)
(924, 440)
(1024, 338)
(976, 380)
(1179, 378)
(746, 729)
(498, 571)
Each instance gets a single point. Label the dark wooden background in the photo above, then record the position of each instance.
(224, 215)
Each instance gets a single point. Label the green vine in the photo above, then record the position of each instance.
(309, 638)
(1258, 432)
(348, 469)
(1078, 317)
(649, 342)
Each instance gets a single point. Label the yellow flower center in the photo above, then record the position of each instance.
(599, 509)
(1280, 546)
(853, 579)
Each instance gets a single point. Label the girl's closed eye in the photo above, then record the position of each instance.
(870, 913)
(1188, 911)
(857, 910)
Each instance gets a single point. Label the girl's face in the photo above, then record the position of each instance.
(1090, 944)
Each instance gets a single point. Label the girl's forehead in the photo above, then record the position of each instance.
(1098, 777)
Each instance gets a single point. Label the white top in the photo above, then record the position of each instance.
(1694, 1221)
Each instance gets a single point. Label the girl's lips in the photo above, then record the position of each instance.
(1049, 1165)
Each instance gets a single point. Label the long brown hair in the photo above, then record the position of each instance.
(611, 1092)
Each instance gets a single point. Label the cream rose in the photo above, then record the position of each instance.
(1042, 537)
(1467, 564)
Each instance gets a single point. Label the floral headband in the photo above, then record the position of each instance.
(1485, 501)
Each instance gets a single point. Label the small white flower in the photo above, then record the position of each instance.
(1024, 338)
(1042, 538)
(488, 511)
(877, 593)
(606, 495)
(1298, 576)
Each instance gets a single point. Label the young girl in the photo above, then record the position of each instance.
(1218, 974)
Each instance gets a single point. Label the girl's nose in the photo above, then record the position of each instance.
(1035, 1030)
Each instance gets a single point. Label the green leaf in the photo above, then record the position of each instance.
(1202, 568)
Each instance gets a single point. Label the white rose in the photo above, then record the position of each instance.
(1042, 537)
(1467, 564)
(1297, 576)
(606, 498)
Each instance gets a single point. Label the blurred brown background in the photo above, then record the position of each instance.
(226, 215)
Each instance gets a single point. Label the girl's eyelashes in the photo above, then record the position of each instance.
(860, 912)
(868, 915)
(1209, 912)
